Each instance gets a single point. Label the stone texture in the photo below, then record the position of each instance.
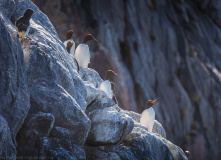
(8, 149)
(167, 49)
(139, 144)
(44, 100)
(108, 126)
(14, 94)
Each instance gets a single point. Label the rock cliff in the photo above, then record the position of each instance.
(168, 49)
(49, 111)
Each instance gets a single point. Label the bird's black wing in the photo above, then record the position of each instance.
(115, 99)
(22, 24)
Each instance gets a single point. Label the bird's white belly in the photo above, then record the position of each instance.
(147, 118)
(106, 87)
(82, 55)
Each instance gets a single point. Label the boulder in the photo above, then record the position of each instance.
(108, 126)
(8, 149)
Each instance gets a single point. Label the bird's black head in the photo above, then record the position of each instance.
(88, 37)
(69, 34)
(28, 13)
(150, 103)
(108, 74)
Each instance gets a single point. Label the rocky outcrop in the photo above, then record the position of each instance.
(49, 111)
(167, 49)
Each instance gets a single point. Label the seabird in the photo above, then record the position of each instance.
(106, 84)
(69, 46)
(148, 115)
(82, 53)
(22, 24)
(187, 153)
(69, 39)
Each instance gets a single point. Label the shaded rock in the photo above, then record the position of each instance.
(8, 149)
(7, 7)
(62, 133)
(45, 56)
(138, 145)
(175, 150)
(41, 124)
(14, 94)
(48, 97)
(60, 149)
(95, 153)
(107, 125)
(153, 61)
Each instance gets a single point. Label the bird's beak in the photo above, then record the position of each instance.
(155, 101)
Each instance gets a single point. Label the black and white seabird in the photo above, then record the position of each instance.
(68, 47)
(106, 84)
(69, 39)
(23, 23)
(148, 115)
(82, 53)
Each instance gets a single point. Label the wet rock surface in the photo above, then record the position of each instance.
(49, 111)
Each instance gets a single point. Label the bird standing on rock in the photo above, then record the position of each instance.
(148, 115)
(106, 85)
(82, 53)
(70, 41)
(68, 47)
(23, 23)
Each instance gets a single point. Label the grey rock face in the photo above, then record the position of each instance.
(14, 94)
(8, 149)
(168, 49)
(108, 126)
(48, 97)
(44, 99)
(138, 145)
(60, 149)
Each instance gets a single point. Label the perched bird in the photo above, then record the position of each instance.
(72, 43)
(82, 53)
(23, 25)
(148, 115)
(187, 153)
(68, 47)
(106, 86)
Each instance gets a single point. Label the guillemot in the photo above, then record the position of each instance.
(69, 39)
(148, 115)
(69, 46)
(106, 84)
(23, 23)
(82, 53)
